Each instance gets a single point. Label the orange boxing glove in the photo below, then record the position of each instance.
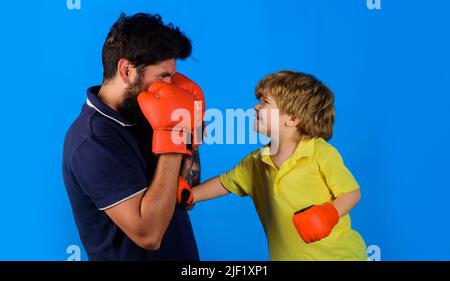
(184, 194)
(159, 104)
(187, 84)
(316, 222)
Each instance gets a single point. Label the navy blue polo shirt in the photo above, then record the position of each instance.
(107, 160)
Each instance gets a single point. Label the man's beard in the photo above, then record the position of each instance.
(129, 108)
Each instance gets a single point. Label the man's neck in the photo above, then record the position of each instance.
(110, 95)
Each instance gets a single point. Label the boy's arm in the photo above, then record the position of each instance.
(210, 189)
(238, 180)
(346, 202)
(317, 222)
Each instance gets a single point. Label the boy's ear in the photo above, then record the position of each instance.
(292, 121)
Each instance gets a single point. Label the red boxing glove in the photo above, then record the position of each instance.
(158, 104)
(184, 194)
(316, 222)
(187, 84)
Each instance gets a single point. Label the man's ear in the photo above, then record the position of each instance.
(292, 121)
(124, 70)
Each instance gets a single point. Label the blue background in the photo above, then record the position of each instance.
(389, 70)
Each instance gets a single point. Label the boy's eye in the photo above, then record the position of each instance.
(266, 101)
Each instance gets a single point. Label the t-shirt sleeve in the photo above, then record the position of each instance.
(239, 180)
(108, 171)
(338, 177)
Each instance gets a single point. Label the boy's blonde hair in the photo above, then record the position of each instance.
(303, 96)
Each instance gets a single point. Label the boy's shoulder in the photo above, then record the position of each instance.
(323, 149)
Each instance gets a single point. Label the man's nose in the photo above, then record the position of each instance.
(167, 79)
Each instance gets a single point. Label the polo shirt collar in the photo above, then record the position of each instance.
(94, 102)
(304, 148)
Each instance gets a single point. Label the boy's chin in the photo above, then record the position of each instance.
(260, 130)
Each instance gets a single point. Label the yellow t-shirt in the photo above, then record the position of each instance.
(313, 175)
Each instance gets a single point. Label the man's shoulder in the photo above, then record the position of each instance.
(88, 127)
(91, 123)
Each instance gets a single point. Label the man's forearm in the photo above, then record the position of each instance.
(191, 168)
(158, 203)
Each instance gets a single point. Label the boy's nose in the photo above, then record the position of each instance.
(256, 107)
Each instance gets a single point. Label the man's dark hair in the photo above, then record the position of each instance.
(143, 39)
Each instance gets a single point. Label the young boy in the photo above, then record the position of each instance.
(299, 184)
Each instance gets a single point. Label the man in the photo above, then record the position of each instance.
(123, 188)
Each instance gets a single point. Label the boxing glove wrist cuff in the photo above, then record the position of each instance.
(171, 141)
(332, 213)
